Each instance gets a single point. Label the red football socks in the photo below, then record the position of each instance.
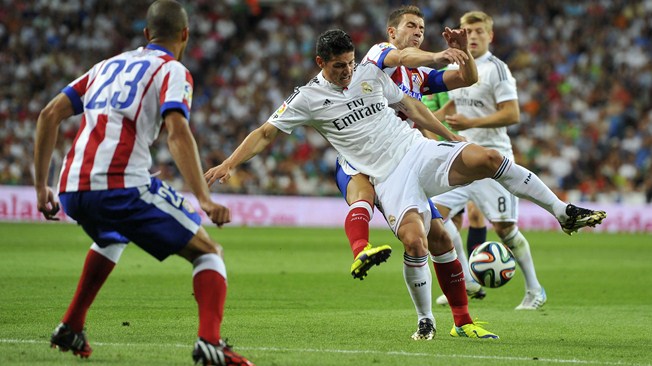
(210, 293)
(95, 272)
(356, 225)
(451, 281)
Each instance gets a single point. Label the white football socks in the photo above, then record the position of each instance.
(452, 231)
(112, 252)
(418, 280)
(521, 249)
(525, 184)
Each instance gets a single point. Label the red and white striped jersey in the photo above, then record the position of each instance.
(122, 100)
(415, 82)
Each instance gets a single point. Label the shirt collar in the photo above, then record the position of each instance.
(322, 80)
(159, 48)
(484, 57)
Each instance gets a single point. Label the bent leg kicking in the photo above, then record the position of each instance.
(476, 162)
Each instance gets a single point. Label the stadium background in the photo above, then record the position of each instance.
(583, 72)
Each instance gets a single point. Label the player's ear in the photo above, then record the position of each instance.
(146, 33)
(185, 33)
(320, 62)
(391, 32)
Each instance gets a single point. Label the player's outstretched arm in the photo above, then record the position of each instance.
(183, 149)
(47, 128)
(252, 145)
(415, 57)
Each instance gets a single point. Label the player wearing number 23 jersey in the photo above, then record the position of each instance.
(106, 187)
(122, 99)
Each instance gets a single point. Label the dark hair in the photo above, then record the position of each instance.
(395, 16)
(333, 42)
(166, 19)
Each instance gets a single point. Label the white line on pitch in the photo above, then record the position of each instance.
(344, 351)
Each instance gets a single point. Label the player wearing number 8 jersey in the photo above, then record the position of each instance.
(482, 113)
(105, 183)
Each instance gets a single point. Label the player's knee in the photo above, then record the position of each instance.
(438, 240)
(199, 245)
(414, 244)
(492, 160)
(503, 228)
(507, 231)
(360, 189)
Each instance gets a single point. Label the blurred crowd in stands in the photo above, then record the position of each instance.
(583, 69)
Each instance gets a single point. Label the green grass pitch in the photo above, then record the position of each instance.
(292, 301)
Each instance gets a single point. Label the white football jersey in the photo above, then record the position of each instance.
(356, 120)
(122, 100)
(415, 82)
(495, 85)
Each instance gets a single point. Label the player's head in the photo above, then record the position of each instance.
(167, 22)
(405, 27)
(479, 30)
(336, 56)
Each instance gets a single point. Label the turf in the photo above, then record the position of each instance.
(292, 302)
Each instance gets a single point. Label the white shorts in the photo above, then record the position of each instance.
(496, 203)
(422, 173)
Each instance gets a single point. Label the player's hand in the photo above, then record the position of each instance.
(218, 214)
(456, 38)
(46, 203)
(450, 56)
(459, 122)
(220, 172)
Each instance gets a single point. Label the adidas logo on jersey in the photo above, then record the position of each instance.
(327, 103)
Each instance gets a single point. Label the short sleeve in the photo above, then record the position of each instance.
(391, 91)
(77, 89)
(176, 89)
(505, 85)
(378, 52)
(292, 113)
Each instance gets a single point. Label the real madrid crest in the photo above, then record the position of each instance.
(392, 220)
(366, 88)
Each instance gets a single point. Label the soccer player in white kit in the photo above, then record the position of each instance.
(105, 184)
(350, 106)
(481, 113)
(410, 68)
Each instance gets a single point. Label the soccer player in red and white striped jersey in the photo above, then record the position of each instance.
(105, 184)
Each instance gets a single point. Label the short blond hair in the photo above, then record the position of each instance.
(477, 16)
